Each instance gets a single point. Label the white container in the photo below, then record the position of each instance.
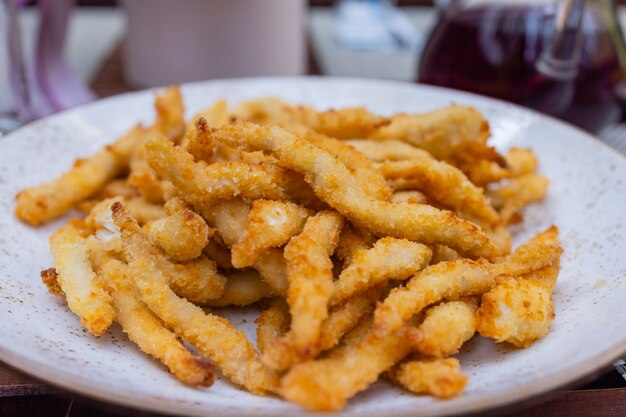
(171, 42)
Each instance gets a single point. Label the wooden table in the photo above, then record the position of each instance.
(24, 396)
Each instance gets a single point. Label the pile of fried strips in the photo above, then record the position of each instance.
(376, 246)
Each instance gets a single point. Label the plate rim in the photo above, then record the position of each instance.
(47, 373)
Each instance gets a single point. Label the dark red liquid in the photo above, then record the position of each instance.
(494, 51)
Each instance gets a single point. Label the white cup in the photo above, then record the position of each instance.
(171, 42)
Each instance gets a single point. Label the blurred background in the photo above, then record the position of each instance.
(562, 57)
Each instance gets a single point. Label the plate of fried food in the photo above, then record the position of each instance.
(286, 246)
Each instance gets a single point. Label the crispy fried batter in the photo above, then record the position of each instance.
(453, 279)
(85, 293)
(445, 184)
(148, 332)
(272, 323)
(390, 258)
(242, 288)
(326, 384)
(518, 193)
(281, 354)
(170, 114)
(40, 204)
(309, 272)
(270, 224)
(518, 310)
(439, 377)
(213, 336)
(50, 278)
(182, 234)
(334, 184)
(440, 132)
(444, 330)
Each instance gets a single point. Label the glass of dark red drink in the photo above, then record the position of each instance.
(564, 58)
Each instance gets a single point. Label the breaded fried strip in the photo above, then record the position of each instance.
(216, 252)
(199, 142)
(521, 161)
(272, 323)
(85, 293)
(390, 258)
(440, 132)
(182, 234)
(199, 184)
(346, 123)
(143, 178)
(213, 336)
(453, 279)
(518, 193)
(350, 242)
(483, 172)
(518, 310)
(147, 331)
(242, 288)
(370, 179)
(444, 330)
(281, 354)
(326, 384)
(45, 202)
(445, 184)
(310, 276)
(387, 150)
(229, 218)
(439, 377)
(270, 224)
(334, 184)
(170, 113)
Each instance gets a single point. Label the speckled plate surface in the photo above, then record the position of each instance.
(587, 200)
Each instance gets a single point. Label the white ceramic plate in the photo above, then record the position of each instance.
(587, 200)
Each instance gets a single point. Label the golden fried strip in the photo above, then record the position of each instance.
(445, 184)
(242, 288)
(144, 211)
(334, 184)
(519, 310)
(518, 193)
(453, 279)
(326, 384)
(272, 323)
(148, 332)
(170, 113)
(85, 293)
(40, 204)
(387, 150)
(442, 253)
(521, 161)
(350, 242)
(182, 234)
(310, 276)
(199, 142)
(441, 132)
(208, 333)
(345, 123)
(216, 252)
(229, 218)
(270, 224)
(483, 172)
(439, 377)
(390, 258)
(409, 197)
(281, 354)
(201, 185)
(143, 178)
(444, 330)
(118, 188)
(370, 179)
